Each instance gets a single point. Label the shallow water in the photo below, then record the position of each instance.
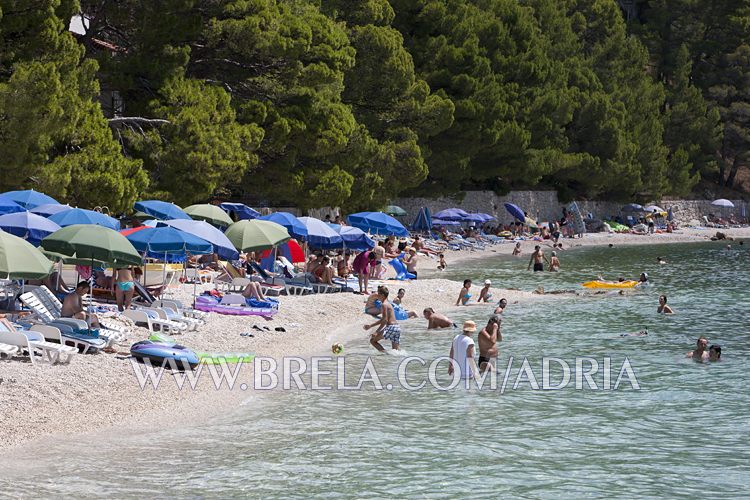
(686, 431)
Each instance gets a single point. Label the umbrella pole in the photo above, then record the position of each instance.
(164, 273)
(59, 272)
(91, 293)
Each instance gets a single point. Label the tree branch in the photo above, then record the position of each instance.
(125, 120)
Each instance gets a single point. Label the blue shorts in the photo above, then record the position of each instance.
(392, 333)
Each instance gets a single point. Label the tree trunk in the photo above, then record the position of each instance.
(732, 173)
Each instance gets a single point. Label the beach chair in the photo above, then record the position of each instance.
(165, 314)
(151, 320)
(177, 306)
(34, 343)
(8, 350)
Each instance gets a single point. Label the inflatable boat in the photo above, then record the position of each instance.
(168, 355)
(610, 284)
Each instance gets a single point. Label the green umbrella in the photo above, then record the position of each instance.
(92, 242)
(395, 210)
(256, 235)
(19, 259)
(70, 259)
(209, 213)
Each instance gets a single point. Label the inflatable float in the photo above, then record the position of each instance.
(401, 272)
(208, 358)
(211, 304)
(610, 284)
(160, 354)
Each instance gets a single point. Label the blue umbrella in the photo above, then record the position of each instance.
(356, 239)
(8, 206)
(377, 223)
(423, 222)
(161, 210)
(28, 198)
(161, 240)
(31, 227)
(515, 211)
(454, 214)
(50, 209)
(320, 234)
(83, 216)
(632, 207)
(293, 226)
(486, 217)
(440, 222)
(243, 211)
(202, 229)
(475, 218)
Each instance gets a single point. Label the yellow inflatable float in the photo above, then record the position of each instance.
(610, 284)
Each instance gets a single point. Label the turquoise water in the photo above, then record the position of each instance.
(685, 432)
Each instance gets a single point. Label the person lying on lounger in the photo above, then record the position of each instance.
(72, 306)
(253, 290)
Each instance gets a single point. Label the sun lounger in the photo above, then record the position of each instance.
(152, 321)
(8, 350)
(38, 349)
(177, 306)
(170, 315)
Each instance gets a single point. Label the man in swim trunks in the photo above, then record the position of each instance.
(411, 262)
(538, 259)
(123, 287)
(389, 328)
(699, 354)
(488, 339)
(436, 320)
(72, 306)
(465, 294)
(663, 307)
(484, 294)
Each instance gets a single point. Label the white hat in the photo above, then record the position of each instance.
(487, 282)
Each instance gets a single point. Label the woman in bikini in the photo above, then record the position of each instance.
(123, 287)
(465, 294)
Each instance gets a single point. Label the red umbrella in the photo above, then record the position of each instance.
(131, 230)
(291, 250)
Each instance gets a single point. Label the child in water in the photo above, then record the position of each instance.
(441, 263)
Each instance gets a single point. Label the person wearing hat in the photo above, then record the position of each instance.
(643, 279)
(462, 352)
(410, 259)
(485, 295)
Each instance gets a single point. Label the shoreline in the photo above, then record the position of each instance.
(99, 393)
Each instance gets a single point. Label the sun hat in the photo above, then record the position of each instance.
(487, 282)
(470, 326)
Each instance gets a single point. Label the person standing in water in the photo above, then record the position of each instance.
(465, 294)
(554, 263)
(501, 305)
(663, 307)
(517, 250)
(388, 328)
(123, 288)
(699, 354)
(538, 259)
(488, 339)
(462, 352)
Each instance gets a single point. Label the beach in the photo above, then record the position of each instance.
(101, 393)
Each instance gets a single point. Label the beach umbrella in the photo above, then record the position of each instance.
(50, 209)
(8, 206)
(651, 208)
(439, 222)
(721, 202)
(423, 222)
(209, 213)
(320, 234)
(475, 218)
(515, 211)
(377, 223)
(255, 235)
(486, 217)
(31, 227)
(162, 210)
(202, 229)
(93, 242)
(293, 226)
(454, 214)
(20, 260)
(166, 239)
(291, 250)
(83, 216)
(395, 210)
(127, 232)
(632, 207)
(355, 239)
(28, 198)
(242, 211)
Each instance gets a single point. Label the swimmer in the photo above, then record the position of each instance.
(663, 307)
(485, 295)
(436, 320)
(714, 352)
(465, 293)
(729, 247)
(501, 305)
(642, 333)
(538, 259)
(554, 263)
(659, 260)
(517, 250)
(643, 279)
(441, 263)
(611, 245)
(699, 354)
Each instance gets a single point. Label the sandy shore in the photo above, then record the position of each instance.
(99, 391)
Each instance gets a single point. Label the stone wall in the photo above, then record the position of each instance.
(544, 205)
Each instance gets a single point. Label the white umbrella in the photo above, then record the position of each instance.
(721, 202)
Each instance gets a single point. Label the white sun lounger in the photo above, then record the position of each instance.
(38, 348)
(152, 321)
(177, 306)
(8, 350)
